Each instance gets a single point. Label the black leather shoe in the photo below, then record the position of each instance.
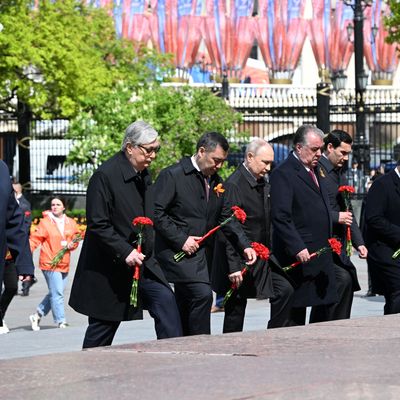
(26, 286)
(369, 294)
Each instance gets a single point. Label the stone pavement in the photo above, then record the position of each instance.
(349, 359)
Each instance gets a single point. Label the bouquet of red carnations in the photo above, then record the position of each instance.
(262, 252)
(141, 222)
(346, 192)
(238, 213)
(334, 245)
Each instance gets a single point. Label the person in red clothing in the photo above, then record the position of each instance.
(54, 232)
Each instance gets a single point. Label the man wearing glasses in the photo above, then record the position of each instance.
(117, 193)
(186, 207)
(300, 212)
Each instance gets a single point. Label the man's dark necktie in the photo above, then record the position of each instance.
(207, 186)
(313, 177)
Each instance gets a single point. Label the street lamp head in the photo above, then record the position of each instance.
(362, 80)
(339, 80)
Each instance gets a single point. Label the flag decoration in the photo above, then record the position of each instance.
(281, 31)
(327, 31)
(228, 33)
(380, 56)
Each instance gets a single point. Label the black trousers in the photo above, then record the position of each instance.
(10, 281)
(341, 309)
(330, 312)
(157, 299)
(392, 303)
(281, 305)
(194, 302)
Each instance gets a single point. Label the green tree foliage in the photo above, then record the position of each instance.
(55, 57)
(393, 22)
(180, 116)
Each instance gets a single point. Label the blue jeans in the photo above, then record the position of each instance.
(54, 300)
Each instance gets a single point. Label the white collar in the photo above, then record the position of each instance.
(194, 162)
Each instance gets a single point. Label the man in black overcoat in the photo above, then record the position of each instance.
(382, 217)
(186, 207)
(13, 233)
(118, 192)
(248, 189)
(301, 220)
(337, 147)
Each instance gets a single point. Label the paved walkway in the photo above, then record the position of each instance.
(23, 342)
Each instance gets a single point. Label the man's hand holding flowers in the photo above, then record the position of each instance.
(191, 245)
(345, 217)
(134, 258)
(251, 256)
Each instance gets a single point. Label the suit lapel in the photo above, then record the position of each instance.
(305, 176)
(396, 181)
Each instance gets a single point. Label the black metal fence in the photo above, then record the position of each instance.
(275, 114)
(269, 111)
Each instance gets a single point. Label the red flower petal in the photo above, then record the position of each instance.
(142, 221)
(335, 245)
(261, 250)
(239, 214)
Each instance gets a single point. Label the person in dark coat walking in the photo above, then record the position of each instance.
(186, 207)
(248, 188)
(301, 220)
(337, 148)
(13, 233)
(10, 275)
(118, 192)
(382, 218)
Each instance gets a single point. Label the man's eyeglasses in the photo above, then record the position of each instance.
(149, 150)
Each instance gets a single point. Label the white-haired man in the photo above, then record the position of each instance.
(117, 193)
(248, 188)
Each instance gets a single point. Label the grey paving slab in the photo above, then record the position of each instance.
(321, 361)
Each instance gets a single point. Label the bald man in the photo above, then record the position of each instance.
(248, 188)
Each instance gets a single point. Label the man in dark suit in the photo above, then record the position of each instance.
(382, 217)
(13, 233)
(186, 207)
(301, 220)
(118, 192)
(337, 148)
(248, 189)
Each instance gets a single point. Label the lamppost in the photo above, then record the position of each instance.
(323, 100)
(360, 146)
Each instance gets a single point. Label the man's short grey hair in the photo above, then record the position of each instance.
(255, 145)
(301, 134)
(139, 132)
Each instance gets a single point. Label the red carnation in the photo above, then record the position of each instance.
(239, 214)
(261, 250)
(142, 221)
(348, 189)
(336, 246)
(27, 213)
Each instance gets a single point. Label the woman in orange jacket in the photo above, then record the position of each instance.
(54, 232)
